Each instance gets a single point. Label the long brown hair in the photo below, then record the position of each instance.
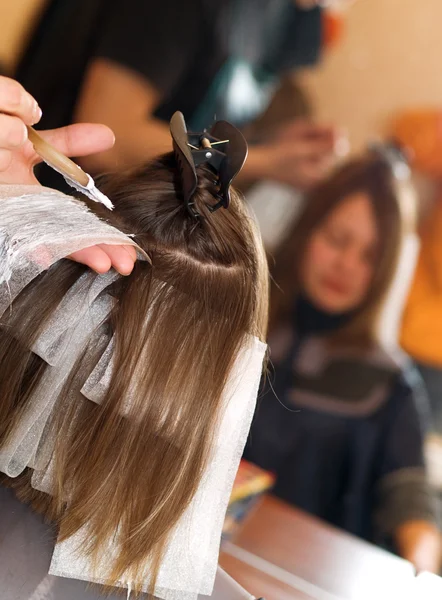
(393, 207)
(178, 327)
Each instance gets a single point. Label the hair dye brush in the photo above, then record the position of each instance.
(72, 173)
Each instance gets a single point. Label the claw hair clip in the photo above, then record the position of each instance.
(223, 149)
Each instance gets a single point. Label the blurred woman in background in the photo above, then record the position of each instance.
(345, 434)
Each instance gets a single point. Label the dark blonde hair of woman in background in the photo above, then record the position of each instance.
(178, 326)
(393, 205)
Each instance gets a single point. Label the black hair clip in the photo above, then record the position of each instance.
(224, 149)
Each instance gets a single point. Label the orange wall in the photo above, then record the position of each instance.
(390, 58)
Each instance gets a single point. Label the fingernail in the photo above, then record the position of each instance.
(36, 113)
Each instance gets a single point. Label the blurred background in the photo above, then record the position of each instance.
(374, 41)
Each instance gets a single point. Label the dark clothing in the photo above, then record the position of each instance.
(210, 60)
(432, 378)
(345, 439)
(207, 58)
(308, 320)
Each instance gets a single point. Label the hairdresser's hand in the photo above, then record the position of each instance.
(300, 154)
(17, 156)
(18, 159)
(17, 109)
(101, 258)
(420, 543)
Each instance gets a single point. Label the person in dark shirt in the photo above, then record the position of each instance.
(132, 64)
(343, 426)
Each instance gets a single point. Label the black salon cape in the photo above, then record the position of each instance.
(346, 441)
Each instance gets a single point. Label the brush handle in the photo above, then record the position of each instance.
(55, 158)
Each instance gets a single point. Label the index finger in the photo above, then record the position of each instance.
(302, 130)
(308, 148)
(15, 100)
(122, 257)
(80, 139)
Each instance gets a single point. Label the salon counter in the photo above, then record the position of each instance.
(282, 553)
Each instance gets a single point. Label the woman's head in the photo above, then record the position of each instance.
(215, 260)
(342, 251)
(179, 322)
(340, 257)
